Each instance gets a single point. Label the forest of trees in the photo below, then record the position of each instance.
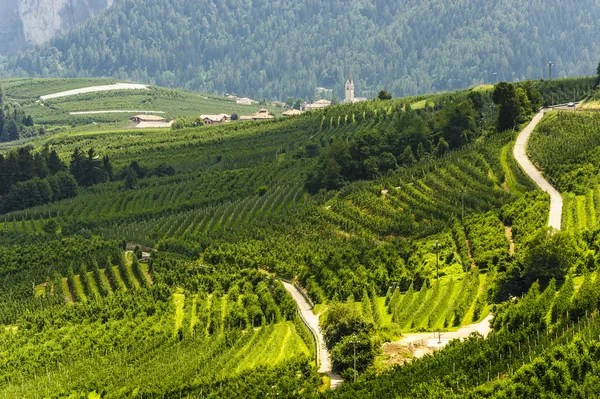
(276, 49)
(30, 178)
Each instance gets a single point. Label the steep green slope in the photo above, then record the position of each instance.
(528, 355)
(289, 48)
(234, 212)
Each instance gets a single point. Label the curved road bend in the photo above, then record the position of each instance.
(553, 221)
(520, 153)
(313, 323)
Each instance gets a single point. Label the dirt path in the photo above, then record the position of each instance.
(115, 111)
(509, 237)
(414, 346)
(520, 153)
(93, 89)
(312, 321)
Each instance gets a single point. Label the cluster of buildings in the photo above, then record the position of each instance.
(145, 121)
(348, 97)
(219, 119)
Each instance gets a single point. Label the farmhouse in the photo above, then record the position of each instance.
(316, 105)
(215, 119)
(145, 121)
(292, 112)
(147, 118)
(262, 114)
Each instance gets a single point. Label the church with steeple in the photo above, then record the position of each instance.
(349, 91)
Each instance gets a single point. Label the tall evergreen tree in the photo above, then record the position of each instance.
(54, 163)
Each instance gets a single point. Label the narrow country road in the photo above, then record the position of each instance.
(312, 321)
(431, 339)
(520, 153)
(421, 344)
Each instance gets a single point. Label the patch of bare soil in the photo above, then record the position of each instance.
(508, 234)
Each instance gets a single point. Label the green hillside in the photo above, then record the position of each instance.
(167, 103)
(394, 219)
(284, 48)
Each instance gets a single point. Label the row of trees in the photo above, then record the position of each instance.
(29, 179)
(22, 165)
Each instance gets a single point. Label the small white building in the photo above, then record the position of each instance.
(292, 112)
(245, 101)
(316, 105)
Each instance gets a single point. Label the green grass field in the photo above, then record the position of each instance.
(173, 103)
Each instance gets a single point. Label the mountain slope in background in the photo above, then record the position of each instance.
(31, 22)
(277, 48)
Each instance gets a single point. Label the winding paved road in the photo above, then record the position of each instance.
(429, 339)
(312, 320)
(520, 153)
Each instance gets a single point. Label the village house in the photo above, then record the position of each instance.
(147, 118)
(215, 119)
(262, 114)
(316, 105)
(146, 121)
(292, 112)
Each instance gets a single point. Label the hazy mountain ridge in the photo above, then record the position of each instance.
(32, 22)
(282, 47)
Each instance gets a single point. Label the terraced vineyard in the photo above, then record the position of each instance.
(566, 145)
(449, 303)
(94, 284)
(362, 205)
(422, 200)
(580, 212)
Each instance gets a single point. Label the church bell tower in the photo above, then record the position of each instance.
(349, 89)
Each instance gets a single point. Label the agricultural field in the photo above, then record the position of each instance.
(167, 103)
(545, 325)
(566, 145)
(450, 303)
(391, 213)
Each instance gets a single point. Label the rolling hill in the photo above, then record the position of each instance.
(92, 110)
(392, 219)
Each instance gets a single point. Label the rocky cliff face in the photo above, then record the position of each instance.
(31, 22)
